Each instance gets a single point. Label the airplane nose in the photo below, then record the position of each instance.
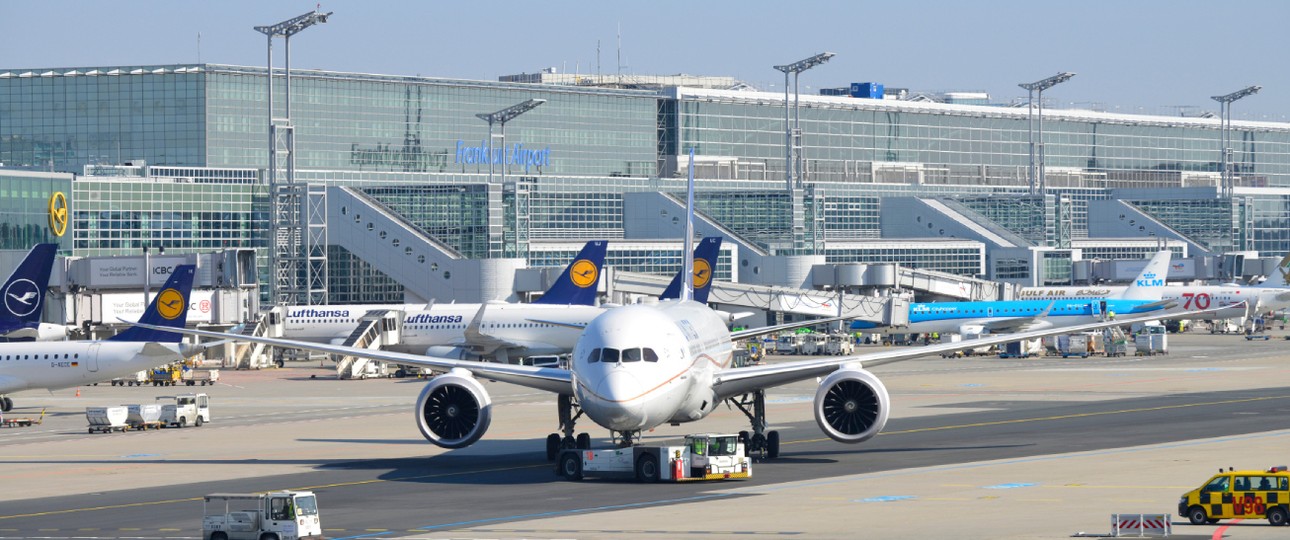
(620, 390)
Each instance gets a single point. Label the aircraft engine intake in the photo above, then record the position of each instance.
(851, 405)
(454, 410)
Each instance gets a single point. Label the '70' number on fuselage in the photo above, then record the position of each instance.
(1201, 300)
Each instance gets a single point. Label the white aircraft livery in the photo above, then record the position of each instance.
(24, 298)
(26, 365)
(640, 366)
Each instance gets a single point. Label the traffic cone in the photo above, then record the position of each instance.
(78, 391)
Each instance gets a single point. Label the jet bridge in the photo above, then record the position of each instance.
(883, 310)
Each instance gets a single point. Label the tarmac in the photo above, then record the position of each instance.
(284, 424)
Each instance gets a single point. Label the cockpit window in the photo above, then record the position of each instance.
(650, 355)
(594, 356)
(609, 355)
(631, 355)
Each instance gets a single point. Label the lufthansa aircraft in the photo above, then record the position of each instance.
(52, 365)
(641, 366)
(24, 298)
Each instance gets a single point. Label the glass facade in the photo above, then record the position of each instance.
(415, 145)
(25, 209)
(964, 258)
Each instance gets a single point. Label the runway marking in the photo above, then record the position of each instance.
(1059, 417)
(1009, 486)
(886, 498)
(1219, 532)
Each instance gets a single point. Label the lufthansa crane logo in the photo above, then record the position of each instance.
(58, 213)
(170, 304)
(702, 273)
(22, 297)
(583, 273)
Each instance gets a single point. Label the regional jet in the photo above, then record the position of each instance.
(53, 365)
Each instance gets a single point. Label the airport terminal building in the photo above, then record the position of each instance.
(424, 198)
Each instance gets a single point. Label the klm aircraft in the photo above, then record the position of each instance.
(1008, 316)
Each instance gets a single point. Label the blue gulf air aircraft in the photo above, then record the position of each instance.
(51, 365)
(24, 298)
(1008, 316)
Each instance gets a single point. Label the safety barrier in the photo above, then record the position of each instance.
(1142, 524)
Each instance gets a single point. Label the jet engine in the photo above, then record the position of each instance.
(851, 405)
(454, 411)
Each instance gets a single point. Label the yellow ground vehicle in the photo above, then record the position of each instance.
(1240, 494)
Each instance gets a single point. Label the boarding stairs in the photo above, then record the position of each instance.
(376, 329)
(272, 323)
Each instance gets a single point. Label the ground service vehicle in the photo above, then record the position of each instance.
(187, 408)
(196, 376)
(703, 457)
(106, 419)
(280, 515)
(1239, 494)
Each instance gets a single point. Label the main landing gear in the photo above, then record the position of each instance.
(569, 413)
(6, 404)
(760, 442)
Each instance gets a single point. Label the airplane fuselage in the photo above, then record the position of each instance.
(64, 364)
(516, 326)
(953, 317)
(640, 366)
(1189, 297)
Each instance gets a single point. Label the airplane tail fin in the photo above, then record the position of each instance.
(705, 264)
(24, 291)
(1150, 284)
(169, 308)
(577, 285)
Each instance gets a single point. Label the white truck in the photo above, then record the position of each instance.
(702, 457)
(280, 515)
(194, 408)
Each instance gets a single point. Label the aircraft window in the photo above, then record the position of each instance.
(650, 355)
(594, 356)
(609, 355)
(631, 355)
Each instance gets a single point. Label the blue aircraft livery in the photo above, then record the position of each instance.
(1010, 315)
(705, 263)
(24, 291)
(168, 308)
(578, 283)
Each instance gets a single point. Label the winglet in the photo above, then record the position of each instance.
(577, 284)
(1150, 284)
(687, 290)
(168, 309)
(24, 291)
(705, 264)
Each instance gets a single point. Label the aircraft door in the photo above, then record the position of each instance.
(92, 357)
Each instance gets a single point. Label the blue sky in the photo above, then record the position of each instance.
(1130, 56)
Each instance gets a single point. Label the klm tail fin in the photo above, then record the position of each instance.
(705, 263)
(1150, 284)
(168, 308)
(24, 291)
(577, 285)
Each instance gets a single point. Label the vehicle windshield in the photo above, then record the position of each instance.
(722, 446)
(1217, 484)
(306, 506)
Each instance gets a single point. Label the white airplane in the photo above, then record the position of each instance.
(27, 365)
(640, 366)
(492, 330)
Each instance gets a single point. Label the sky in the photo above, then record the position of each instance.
(1133, 56)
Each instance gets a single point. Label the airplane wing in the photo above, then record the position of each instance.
(1162, 304)
(755, 332)
(737, 381)
(555, 380)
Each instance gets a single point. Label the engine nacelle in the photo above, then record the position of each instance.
(851, 405)
(448, 351)
(51, 332)
(454, 410)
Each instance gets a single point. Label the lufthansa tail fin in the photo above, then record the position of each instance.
(705, 264)
(169, 308)
(577, 285)
(24, 291)
(1150, 284)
